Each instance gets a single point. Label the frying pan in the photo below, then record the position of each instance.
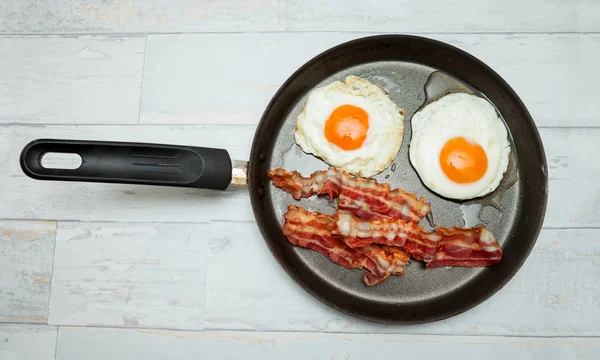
(414, 71)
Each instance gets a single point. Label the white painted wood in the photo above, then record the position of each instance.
(436, 16)
(75, 16)
(222, 78)
(106, 202)
(72, 80)
(554, 294)
(117, 344)
(129, 275)
(136, 271)
(259, 15)
(573, 193)
(572, 202)
(24, 342)
(26, 252)
(230, 78)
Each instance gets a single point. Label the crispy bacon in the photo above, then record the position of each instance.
(443, 247)
(387, 260)
(315, 231)
(320, 182)
(466, 247)
(370, 213)
(359, 232)
(365, 198)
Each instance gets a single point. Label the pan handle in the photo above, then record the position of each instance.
(132, 163)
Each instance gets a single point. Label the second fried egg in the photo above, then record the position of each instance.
(459, 146)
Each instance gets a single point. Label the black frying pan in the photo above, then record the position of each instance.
(414, 71)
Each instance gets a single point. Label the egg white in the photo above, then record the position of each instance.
(384, 137)
(458, 115)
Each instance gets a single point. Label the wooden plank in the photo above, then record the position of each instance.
(571, 196)
(554, 293)
(26, 253)
(434, 16)
(24, 342)
(88, 343)
(129, 275)
(572, 202)
(72, 80)
(75, 16)
(80, 16)
(188, 80)
(195, 87)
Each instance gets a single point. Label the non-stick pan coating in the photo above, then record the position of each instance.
(414, 71)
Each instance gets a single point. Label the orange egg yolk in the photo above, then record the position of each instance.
(347, 127)
(462, 161)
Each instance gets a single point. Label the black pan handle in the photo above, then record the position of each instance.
(132, 163)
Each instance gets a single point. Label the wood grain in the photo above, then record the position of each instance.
(571, 195)
(72, 80)
(26, 253)
(76, 16)
(554, 294)
(188, 80)
(117, 344)
(429, 15)
(144, 259)
(572, 202)
(27, 342)
(129, 275)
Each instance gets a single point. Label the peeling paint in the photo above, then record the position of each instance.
(44, 280)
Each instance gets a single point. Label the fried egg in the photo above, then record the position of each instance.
(459, 146)
(353, 125)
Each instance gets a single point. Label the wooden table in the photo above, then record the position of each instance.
(93, 271)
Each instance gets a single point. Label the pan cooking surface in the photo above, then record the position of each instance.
(411, 86)
(421, 294)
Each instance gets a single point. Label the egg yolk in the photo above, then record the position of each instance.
(347, 127)
(463, 161)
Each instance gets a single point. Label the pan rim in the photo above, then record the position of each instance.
(257, 156)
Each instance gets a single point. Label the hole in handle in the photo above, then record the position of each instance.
(63, 161)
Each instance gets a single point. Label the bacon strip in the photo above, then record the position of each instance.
(320, 182)
(387, 259)
(315, 231)
(466, 247)
(365, 198)
(443, 247)
(359, 232)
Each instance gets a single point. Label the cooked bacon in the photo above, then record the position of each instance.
(443, 247)
(320, 182)
(315, 231)
(365, 198)
(387, 260)
(466, 247)
(368, 199)
(359, 232)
